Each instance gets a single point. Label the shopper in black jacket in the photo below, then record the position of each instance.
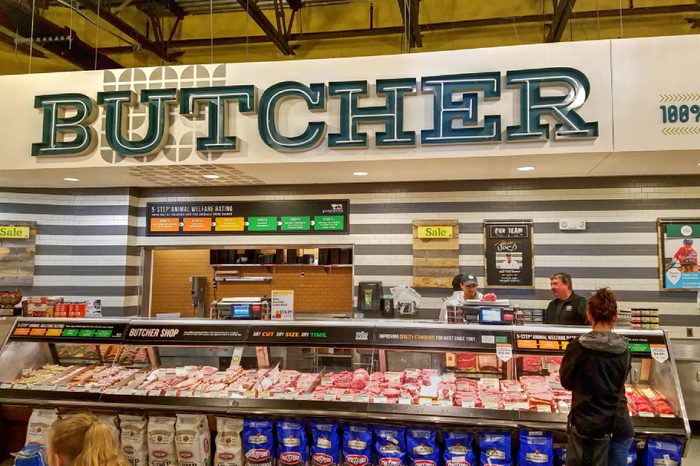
(595, 368)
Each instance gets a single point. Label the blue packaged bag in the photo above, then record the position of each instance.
(495, 448)
(663, 451)
(459, 449)
(325, 446)
(291, 443)
(422, 447)
(357, 445)
(560, 455)
(390, 446)
(536, 448)
(258, 442)
(30, 455)
(632, 455)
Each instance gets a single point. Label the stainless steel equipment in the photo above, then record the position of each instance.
(242, 308)
(199, 292)
(687, 356)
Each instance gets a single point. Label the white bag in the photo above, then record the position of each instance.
(40, 422)
(229, 447)
(193, 440)
(161, 441)
(134, 439)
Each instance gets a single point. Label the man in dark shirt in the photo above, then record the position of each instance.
(567, 308)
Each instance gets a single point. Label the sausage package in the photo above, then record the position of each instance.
(422, 448)
(258, 442)
(229, 449)
(292, 444)
(193, 440)
(357, 445)
(390, 446)
(134, 439)
(325, 444)
(161, 441)
(536, 448)
(495, 448)
(663, 452)
(40, 422)
(459, 449)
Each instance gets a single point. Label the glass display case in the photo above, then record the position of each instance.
(405, 372)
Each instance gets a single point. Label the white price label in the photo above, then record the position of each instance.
(80, 389)
(329, 397)
(5, 385)
(140, 392)
(126, 391)
(504, 352)
(171, 393)
(425, 402)
(468, 404)
(95, 389)
(659, 352)
(380, 399)
(362, 398)
(111, 391)
(445, 403)
(278, 396)
(404, 400)
(544, 409)
(307, 396)
(346, 397)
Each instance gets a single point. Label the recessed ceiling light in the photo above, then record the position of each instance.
(527, 168)
(360, 173)
(212, 177)
(72, 180)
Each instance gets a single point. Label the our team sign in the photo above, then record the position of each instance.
(457, 116)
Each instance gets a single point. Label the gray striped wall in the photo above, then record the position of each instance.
(89, 240)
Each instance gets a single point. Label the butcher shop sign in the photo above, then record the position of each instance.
(457, 116)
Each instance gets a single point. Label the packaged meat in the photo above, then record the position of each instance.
(134, 439)
(258, 442)
(390, 446)
(325, 447)
(192, 440)
(459, 449)
(229, 448)
(291, 443)
(40, 422)
(421, 445)
(536, 448)
(357, 445)
(161, 441)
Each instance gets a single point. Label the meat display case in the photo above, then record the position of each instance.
(408, 372)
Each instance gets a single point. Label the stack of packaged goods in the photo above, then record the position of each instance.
(644, 319)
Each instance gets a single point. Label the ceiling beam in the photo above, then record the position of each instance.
(21, 47)
(450, 25)
(17, 16)
(562, 13)
(411, 9)
(267, 27)
(158, 49)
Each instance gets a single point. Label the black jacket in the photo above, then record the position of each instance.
(594, 368)
(569, 311)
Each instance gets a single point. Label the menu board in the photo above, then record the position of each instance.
(247, 217)
(508, 248)
(58, 331)
(557, 343)
(678, 254)
(440, 338)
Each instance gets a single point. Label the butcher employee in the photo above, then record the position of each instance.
(464, 287)
(567, 308)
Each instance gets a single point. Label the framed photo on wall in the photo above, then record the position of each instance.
(509, 251)
(679, 240)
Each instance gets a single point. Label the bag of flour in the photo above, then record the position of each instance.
(192, 440)
(161, 441)
(229, 448)
(134, 439)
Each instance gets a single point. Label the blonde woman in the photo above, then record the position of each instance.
(83, 440)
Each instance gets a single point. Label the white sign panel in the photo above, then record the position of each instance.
(283, 304)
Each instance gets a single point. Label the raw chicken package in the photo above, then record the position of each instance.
(40, 422)
(663, 452)
(325, 446)
(258, 442)
(536, 448)
(161, 441)
(422, 448)
(193, 440)
(459, 449)
(291, 443)
(495, 448)
(357, 445)
(134, 439)
(390, 446)
(229, 449)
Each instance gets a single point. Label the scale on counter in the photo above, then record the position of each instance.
(488, 312)
(241, 308)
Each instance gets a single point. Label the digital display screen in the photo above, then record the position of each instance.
(241, 311)
(491, 316)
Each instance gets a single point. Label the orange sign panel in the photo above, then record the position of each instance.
(549, 345)
(21, 331)
(38, 332)
(230, 223)
(197, 224)
(54, 332)
(165, 224)
(527, 344)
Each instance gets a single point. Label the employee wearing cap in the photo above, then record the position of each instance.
(464, 287)
(567, 308)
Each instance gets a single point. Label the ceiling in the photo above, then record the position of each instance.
(60, 35)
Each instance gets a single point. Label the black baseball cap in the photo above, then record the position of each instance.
(469, 279)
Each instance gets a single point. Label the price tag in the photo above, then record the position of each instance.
(290, 395)
(111, 391)
(667, 415)
(5, 385)
(362, 398)
(329, 397)
(404, 400)
(659, 352)
(79, 389)
(21, 386)
(236, 395)
(425, 401)
(185, 393)
(171, 393)
(278, 396)
(544, 409)
(95, 389)
(504, 352)
(140, 392)
(346, 397)
(306, 396)
(380, 399)
(645, 414)
(491, 404)
(38, 387)
(126, 391)
(445, 403)
(468, 404)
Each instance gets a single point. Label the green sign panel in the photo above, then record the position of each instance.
(88, 333)
(103, 333)
(683, 230)
(329, 223)
(262, 223)
(296, 223)
(639, 348)
(70, 332)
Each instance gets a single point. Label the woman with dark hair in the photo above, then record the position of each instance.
(595, 368)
